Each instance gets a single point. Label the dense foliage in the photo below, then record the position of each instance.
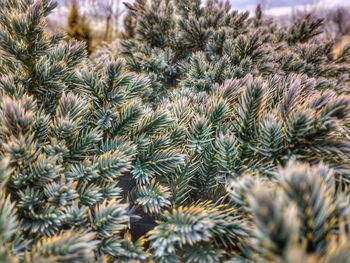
(206, 136)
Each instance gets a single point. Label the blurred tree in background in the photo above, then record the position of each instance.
(77, 26)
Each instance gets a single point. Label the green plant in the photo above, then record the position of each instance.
(211, 137)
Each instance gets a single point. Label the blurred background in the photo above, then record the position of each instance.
(99, 22)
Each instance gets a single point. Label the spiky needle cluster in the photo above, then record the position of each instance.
(206, 136)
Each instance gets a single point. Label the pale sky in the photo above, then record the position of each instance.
(274, 7)
(282, 7)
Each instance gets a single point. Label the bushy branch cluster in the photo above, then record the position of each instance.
(201, 45)
(300, 217)
(211, 137)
